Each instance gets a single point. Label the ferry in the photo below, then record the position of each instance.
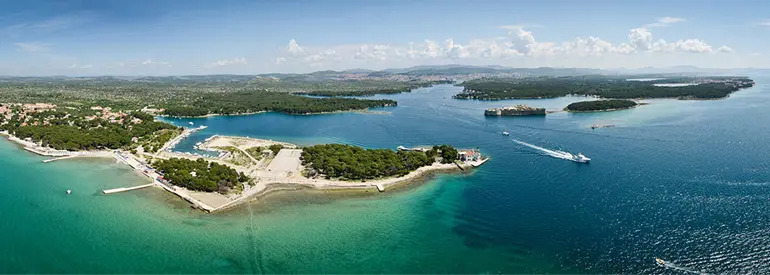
(506, 134)
(660, 262)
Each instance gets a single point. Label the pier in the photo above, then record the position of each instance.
(124, 189)
(59, 158)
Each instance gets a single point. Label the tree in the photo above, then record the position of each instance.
(275, 148)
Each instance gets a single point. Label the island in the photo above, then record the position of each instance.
(617, 87)
(601, 105)
(517, 110)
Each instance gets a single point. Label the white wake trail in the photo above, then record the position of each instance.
(549, 152)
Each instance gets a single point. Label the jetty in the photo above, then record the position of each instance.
(124, 189)
(59, 158)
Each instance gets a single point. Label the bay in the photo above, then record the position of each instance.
(686, 181)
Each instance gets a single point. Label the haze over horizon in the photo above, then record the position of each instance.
(167, 37)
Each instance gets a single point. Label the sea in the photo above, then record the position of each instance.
(684, 181)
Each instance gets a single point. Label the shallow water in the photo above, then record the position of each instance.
(686, 181)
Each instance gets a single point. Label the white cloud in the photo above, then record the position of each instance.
(294, 48)
(640, 39)
(226, 62)
(151, 62)
(765, 23)
(32, 47)
(725, 49)
(76, 66)
(520, 26)
(520, 47)
(665, 22)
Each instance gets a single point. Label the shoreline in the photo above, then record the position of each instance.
(265, 182)
(421, 175)
(362, 111)
(600, 111)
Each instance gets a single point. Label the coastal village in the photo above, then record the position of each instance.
(269, 165)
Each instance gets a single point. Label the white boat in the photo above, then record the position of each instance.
(190, 123)
(660, 262)
(581, 158)
(506, 134)
(578, 158)
(69, 191)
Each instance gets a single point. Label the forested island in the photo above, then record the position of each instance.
(348, 162)
(600, 105)
(601, 86)
(200, 175)
(407, 87)
(245, 102)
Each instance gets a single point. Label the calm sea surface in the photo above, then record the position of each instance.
(686, 181)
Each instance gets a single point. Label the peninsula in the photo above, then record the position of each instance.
(617, 87)
(601, 105)
(517, 110)
(243, 168)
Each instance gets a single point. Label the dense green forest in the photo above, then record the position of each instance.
(208, 176)
(256, 101)
(447, 153)
(355, 163)
(83, 134)
(179, 92)
(600, 105)
(601, 86)
(407, 87)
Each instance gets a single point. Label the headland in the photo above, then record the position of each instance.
(243, 169)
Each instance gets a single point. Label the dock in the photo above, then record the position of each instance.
(59, 158)
(124, 189)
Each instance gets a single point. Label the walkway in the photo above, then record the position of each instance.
(124, 189)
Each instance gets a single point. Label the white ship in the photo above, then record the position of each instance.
(506, 134)
(578, 158)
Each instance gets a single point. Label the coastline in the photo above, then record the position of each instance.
(421, 175)
(362, 111)
(599, 111)
(265, 181)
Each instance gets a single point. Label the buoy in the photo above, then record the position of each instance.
(69, 191)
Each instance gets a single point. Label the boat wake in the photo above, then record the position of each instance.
(553, 153)
(672, 266)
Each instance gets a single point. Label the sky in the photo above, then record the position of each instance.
(176, 37)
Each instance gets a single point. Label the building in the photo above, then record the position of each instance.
(469, 155)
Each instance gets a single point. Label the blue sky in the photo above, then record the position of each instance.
(201, 37)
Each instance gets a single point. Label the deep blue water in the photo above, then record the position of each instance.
(686, 181)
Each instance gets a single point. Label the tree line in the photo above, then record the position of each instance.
(601, 86)
(600, 105)
(349, 162)
(200, 175)
(258, 101)
(80, 134)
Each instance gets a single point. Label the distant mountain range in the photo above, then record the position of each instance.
(451, 70)
(454, 70)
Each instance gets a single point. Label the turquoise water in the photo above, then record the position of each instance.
(686, 181)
